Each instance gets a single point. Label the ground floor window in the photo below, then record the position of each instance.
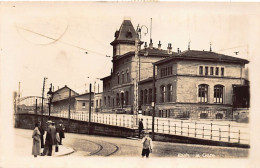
(203, 93)
(218, 94)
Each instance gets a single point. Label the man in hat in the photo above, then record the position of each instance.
(47, 147)
(147, 145)
(60, 130)
(42, 133)
(140, 127)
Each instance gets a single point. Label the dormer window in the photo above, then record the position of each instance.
(129, 34)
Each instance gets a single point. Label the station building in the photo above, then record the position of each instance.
(189, 84)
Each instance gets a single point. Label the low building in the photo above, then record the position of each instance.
(65, 96)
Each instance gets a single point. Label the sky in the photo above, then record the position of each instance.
(50, 39)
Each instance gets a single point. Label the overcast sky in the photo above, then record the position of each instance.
(50, 39)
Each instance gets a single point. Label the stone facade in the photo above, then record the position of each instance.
(189, 84)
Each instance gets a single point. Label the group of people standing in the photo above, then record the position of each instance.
(53, 138)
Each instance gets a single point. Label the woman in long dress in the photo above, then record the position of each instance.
(36, 149)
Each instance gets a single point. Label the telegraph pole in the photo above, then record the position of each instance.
(89, 120)
(42, 97)
(153, 103)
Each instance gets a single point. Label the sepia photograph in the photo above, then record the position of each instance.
(129, 84)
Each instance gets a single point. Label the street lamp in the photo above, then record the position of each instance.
(49, 97)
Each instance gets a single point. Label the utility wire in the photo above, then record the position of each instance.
(98, 53)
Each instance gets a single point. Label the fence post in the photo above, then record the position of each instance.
(210, 130)
(219, 133)
(120, 121)
(175, 128)
(169, 126)
(181, 127)
(147, 123)
(195, 129)
(106, 119)
(123, 120)
(203, 132)
(238, 136)
(132, 122)
(109, 119)
(188, 130)
(116, 119)
(163, 127)
(157, 125)
(103, 119)
(228, 132)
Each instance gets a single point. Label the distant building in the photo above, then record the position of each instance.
(190, 84)
(78, 103)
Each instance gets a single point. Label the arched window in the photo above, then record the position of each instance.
(105, 101)
(170, 94)
(108, 100)
(126, 98)
(117, 99)
(127, 76)
(203, 93)
(163, 94)
(118, 78)
(150, 96)
(122, 99)
(123, 77)
(145, 96)
(141, 97)
(218, 94)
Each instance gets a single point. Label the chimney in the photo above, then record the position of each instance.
(159, 45)
(151, 43)
(169, 48)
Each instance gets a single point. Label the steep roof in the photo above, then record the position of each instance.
(203, 56)
(126, 33)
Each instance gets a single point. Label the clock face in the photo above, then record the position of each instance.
(40, 28)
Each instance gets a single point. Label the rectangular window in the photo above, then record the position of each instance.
(83, 105)
(206, 70)
(211, 70)
(217, 71)
(96, 103)
(222, 71)
(201, 70)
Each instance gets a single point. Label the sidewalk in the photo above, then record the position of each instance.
(23, 145)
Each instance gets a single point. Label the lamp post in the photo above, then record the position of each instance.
(49, 96)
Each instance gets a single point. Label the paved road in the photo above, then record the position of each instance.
(93, 145)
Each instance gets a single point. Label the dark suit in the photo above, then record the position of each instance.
(50, 140)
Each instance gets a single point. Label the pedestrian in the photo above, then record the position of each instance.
(48, 141)
(140, 127)
(60, 130)
(36, 148)
(42, 134)
(147, 145)
(53, 136)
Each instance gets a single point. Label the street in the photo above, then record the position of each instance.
(94, 145)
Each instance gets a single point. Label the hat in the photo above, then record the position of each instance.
(49, 122)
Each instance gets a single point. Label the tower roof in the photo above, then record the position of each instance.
(126, 33)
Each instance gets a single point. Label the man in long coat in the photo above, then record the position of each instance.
(50, 139)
